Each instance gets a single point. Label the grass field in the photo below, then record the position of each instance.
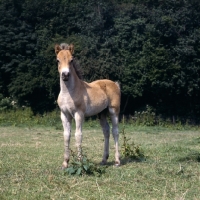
(30, 160)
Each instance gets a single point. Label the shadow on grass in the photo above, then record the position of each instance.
(191, 156)
(125, 161)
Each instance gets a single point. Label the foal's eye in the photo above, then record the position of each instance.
(57, 61)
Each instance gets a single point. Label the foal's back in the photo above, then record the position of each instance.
(102, 94)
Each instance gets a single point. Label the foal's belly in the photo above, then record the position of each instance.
(95, 107)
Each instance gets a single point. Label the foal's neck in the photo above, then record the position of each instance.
(71, 85)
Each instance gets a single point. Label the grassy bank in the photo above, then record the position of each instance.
(31, 157)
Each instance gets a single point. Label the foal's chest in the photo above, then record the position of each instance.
(66, 104)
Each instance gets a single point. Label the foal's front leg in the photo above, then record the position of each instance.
(79, 117)
(66, 121)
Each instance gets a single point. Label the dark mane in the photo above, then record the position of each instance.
(77, 68)
(75, 63)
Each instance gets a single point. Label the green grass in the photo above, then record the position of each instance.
(31, 157)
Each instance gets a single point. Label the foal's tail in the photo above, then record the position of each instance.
(118, 84)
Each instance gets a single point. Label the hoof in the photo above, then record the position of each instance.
(117, 164)
(64, 165)
(103, 163)
(63, 168)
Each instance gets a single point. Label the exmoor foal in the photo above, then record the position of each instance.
(78, 99)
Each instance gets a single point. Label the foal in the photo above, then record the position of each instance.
(78, 99)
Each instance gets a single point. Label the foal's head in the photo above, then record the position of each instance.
(64, 58)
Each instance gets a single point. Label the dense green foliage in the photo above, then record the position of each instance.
(151, 46)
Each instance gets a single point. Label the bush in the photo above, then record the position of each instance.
(5, 103)
(147, 117)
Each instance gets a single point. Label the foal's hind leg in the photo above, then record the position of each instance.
(115, 133)
(106, 132)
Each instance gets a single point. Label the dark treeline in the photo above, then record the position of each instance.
(151, 46)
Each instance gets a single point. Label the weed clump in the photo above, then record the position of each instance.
(131, 151)
(84, 166)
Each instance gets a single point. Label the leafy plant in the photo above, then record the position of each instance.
(84, 166)
(131, 150)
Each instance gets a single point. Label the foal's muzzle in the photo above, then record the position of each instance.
(65, 76)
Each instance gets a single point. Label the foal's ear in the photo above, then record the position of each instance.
(71, 48)
(57, 48)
